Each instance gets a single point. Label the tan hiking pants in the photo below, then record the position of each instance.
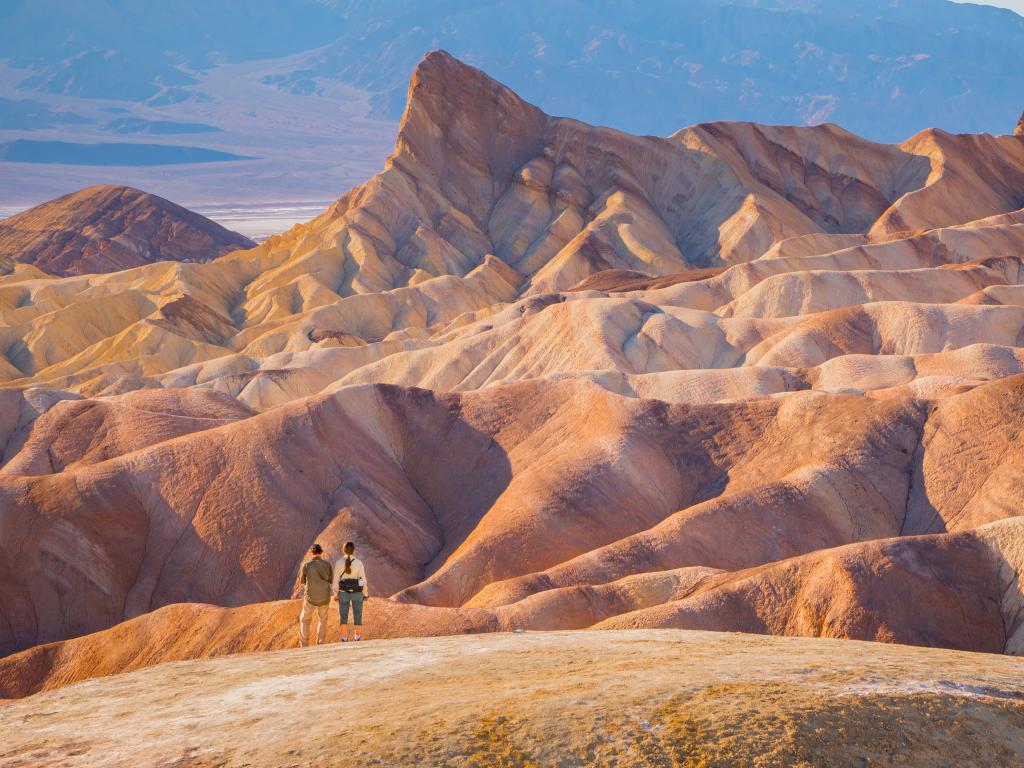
(306, 617)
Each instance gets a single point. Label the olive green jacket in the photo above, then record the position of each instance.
(317, 575)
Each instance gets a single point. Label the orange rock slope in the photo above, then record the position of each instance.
(108, 228)
(548, 376)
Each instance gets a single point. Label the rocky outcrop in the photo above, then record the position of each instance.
(109, 228)
(74, 431)
(486, 201)
(548, 376)
(940, 591)
(541, 490)
(948, 590)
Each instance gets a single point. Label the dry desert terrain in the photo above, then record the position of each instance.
(624, 698)
(549, 376)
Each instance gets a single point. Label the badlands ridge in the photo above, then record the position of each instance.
(107, 228)
(623, 699)
(549, 376)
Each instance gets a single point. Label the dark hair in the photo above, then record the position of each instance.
(350, 548)
(316, 549)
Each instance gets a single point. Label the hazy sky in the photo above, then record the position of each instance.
(1017, 5)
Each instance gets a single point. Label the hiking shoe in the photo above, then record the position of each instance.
(358, 638)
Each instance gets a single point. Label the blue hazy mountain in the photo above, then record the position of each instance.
(28, 115)
(134, 49)
(882, 68)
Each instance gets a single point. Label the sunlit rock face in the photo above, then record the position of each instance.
(534, 698)
(549, 376)
(110, 228)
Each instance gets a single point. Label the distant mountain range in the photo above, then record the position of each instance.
(880, 68)
(314, 88)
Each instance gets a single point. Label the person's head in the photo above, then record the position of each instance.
(316, 550)
(350, 549)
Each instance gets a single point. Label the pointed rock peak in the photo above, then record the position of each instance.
(442, 87)
(462, 130)
(441, 64)
(1019, 131)
(440, 71)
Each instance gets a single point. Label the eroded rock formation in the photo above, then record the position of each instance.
(549, 376)
(109, 228)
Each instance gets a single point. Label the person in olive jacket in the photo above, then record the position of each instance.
(318, 578)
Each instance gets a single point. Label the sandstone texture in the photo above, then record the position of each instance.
(548, 376)
(589, 698)
(110, 228)
(489, 211)
(558, 505)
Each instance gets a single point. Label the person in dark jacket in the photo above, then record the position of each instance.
(317, 577)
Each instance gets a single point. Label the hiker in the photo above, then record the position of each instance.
(351, 590)
(317, 575)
